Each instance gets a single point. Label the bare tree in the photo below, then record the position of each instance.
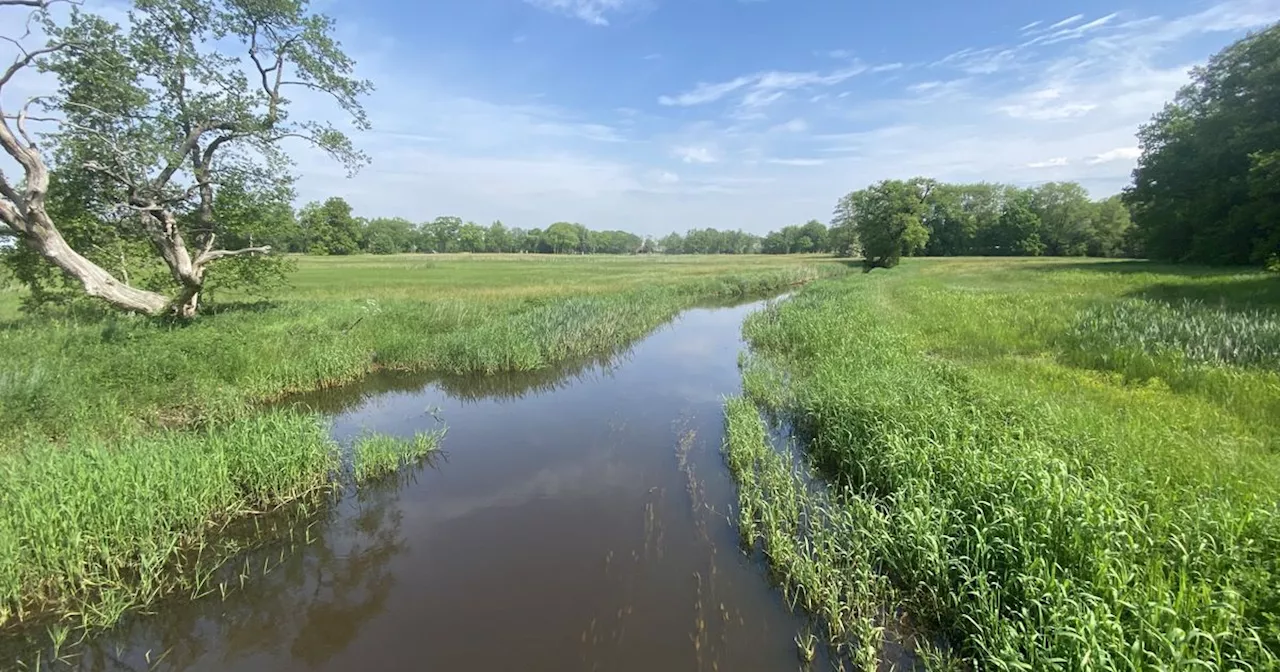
(191, 95)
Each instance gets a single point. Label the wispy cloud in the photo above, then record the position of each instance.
(798, 162)
(1064, 107)
(1066, 22)
(1117, 154)
(694, 154)
(763, 88)
(595, 12)
(1029, 26)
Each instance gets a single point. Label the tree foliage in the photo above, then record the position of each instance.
(887, 218)
(1207, 185)
(150, 121)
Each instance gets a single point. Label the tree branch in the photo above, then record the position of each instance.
(26, 59)
(8, 192)
(214, 255)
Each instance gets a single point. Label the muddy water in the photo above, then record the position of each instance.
(576, 521)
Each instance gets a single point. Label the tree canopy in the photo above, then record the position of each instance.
(1207, 185)
(151, 120)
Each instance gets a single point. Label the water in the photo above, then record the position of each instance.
(578, 520)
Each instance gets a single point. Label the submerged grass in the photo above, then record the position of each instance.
(1039, 508)
(129, 444)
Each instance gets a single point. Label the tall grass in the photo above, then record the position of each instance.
(122, 375)
(1039, 513)
(91, 530)
(130, 444)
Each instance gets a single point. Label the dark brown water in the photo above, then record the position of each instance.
(577, 522)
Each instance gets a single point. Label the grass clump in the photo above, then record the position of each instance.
(1036, 510)
(1187, 331)
(374, 456)
(91, 529)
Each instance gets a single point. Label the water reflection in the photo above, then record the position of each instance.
(580, 523)
(306, 599)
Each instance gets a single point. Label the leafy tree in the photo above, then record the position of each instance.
(1205, 188)
(562, 237)
(672, 243)
(1065, 212)
(158, 115)
(812, 237)
(389, 236)
(471, 238)
(887, 218)
(950, 222)
(441, 234)
(1109, 229)
(329, 227)
(497, 238)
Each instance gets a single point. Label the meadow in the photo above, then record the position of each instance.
(130, 443)
(1043, 464)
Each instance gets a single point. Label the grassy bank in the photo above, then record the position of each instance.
(119, 375)
(130, 443)
(1049, 464)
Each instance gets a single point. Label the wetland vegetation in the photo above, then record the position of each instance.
(1043, 463)
(130, 442)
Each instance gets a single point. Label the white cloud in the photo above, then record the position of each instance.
(798, 162)
(1066, 109)
(694, 154)
(765, 88)
(796, 125)
(594, 12)
(1117, 154)
(1029, 26)
(1066, 22)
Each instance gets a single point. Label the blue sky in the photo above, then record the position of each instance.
(661, 115)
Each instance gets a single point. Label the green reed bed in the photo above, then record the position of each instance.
(1037, 512)
(91, 530)
(121, 375)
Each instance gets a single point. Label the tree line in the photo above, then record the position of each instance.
(922, 216)
(160, 168)
(1206, 188)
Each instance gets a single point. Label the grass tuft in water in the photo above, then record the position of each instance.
(374, 456)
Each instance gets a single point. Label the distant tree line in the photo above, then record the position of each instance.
(921, 216)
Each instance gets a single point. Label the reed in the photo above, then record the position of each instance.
(1033, 507)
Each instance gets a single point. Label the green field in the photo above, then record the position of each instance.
(1047, 463)
(129, 441)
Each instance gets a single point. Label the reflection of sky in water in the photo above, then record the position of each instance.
(534, 545)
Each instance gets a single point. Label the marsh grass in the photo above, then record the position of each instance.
(131, 445)
(374, 456)
(1039, 509)
(127, 523)
(119, 375)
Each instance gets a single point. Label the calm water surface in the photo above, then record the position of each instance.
(576, 521)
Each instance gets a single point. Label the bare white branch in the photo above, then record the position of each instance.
(214, 255)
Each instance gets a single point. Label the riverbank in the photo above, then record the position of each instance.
(130, 442)
(1042, 462)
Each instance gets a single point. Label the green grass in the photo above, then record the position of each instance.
(121, 375)
(130, 444)
(1050, 464)
(375, 456)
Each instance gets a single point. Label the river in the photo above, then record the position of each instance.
(576, 519)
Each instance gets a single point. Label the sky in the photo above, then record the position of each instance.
(662, 115)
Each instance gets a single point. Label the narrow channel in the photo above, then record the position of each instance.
(576, 520)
